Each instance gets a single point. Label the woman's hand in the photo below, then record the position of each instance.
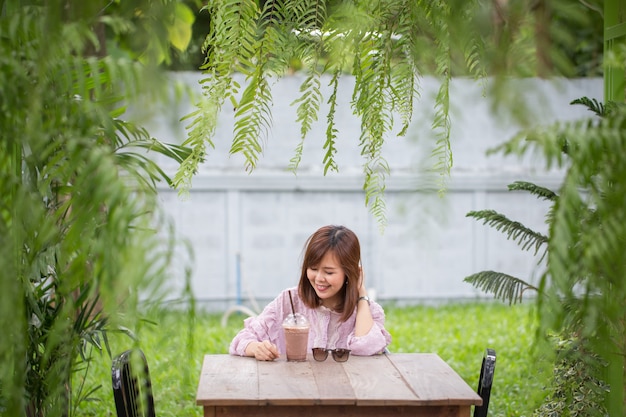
(362, 288)
(364, 320)
(262, 351)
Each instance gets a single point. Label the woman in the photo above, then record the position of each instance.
(333, 297)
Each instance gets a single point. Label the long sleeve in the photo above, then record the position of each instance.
(268, 324)
(265, 326)
(376, 340)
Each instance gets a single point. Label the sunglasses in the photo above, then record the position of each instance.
(339, 355)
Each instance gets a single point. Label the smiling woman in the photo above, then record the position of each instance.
(331, 294)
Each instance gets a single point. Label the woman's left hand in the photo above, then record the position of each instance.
(362, 288)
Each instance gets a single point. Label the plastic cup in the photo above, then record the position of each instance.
(296, 328)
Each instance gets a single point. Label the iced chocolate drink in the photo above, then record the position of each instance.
(296, 330)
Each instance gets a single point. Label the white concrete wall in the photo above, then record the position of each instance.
(248, 230)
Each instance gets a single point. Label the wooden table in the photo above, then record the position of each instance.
(397, 384)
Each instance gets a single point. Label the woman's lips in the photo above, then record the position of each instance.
(322, 288)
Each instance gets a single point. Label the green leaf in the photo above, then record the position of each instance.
(181, 28)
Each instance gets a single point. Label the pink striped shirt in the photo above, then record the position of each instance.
(327, 330)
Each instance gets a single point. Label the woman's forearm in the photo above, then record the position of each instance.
(364, 319)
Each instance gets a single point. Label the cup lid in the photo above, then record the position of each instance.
(297, 320)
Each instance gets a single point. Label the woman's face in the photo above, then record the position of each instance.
(327, 279)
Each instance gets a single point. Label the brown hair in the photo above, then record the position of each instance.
(344, 244)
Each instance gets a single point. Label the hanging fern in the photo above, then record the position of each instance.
(376, 41)
(252, 120)
(540, 192)
(370, 103)
(441, 124)
(385, 46)
(331, 130)
(309, 105)
(309, 19)
(503, 287)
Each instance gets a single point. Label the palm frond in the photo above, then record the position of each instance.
(526, 238)
(503, 287)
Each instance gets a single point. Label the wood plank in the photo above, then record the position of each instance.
(228, 380)
(287, 383)
(342, 411)
(333, 383)
(376, 381)
(433, 381)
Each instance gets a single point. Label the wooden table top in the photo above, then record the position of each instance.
(396, 379)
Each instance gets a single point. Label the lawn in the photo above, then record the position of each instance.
(459, 333)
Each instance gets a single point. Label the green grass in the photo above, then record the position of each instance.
(458, 333)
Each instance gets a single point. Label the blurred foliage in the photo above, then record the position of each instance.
(78, 214)
(582, 293)
(576, 390)
(578, 34)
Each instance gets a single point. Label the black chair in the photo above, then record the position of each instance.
(485, 382)
(132, 389)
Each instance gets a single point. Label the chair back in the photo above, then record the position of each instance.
(485, 381)
(132, 388)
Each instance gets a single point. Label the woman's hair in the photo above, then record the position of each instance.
(344, 244)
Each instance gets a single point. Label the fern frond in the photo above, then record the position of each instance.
(307, 110)
(372, 102)
(397, 21)
(231, 42)
(503, 287)
(279, 43)
(523, 236)
(331, 131)
(441, 124)
(374, 187)
(592, 105)
(229, 46)
(309, 16)
(540, 192)
(252, 120)
(442, 151)
(199, 133)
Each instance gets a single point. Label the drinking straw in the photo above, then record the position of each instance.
(293, 310)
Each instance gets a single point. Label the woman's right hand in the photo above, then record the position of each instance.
(262, 351)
